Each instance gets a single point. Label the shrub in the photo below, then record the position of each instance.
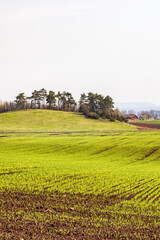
(93, 115)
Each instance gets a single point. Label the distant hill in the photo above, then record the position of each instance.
(49, 120)
(137, 106)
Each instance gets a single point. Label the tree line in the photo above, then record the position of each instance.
(92, 105)
(143, 115)
(148, 115)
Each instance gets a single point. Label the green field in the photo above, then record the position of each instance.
(88, 183)
(48, 120)
(151, 121)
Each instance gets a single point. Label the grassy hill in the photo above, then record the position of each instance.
(47, 120)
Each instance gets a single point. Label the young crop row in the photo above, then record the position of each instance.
(103, 180)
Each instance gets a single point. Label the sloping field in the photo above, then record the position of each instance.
(80, 185)
(47, 120)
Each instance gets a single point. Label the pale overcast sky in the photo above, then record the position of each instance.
(107, 46)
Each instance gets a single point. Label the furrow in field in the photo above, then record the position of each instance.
(151, 152)
(145, 194)
(105, 149)
(129, 192)
(9, 173)
(140, 191)
(153, 196)
(66, 180)
(156, 199)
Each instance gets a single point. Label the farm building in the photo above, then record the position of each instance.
(131, 117)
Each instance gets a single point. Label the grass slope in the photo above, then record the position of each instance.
(46, 120)
(79, 186)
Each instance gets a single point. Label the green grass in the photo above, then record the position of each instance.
(151, 121)
(47, 120)
(121, 166)
(91, 181)
(39, 160)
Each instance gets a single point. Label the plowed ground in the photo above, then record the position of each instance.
(68, 216)
(146, 126)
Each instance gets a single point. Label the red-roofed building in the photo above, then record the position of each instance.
(131, 117)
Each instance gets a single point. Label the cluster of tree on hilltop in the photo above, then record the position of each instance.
(91, 105)
(41, 99)
(97, 106)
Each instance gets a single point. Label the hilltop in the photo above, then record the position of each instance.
(49, 120)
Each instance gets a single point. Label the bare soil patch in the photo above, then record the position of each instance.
(69, 216)
(146, 126)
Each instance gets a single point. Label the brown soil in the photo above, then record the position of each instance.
(70, 216)
(146, 126)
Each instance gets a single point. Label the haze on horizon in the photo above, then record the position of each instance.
(109, 47)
